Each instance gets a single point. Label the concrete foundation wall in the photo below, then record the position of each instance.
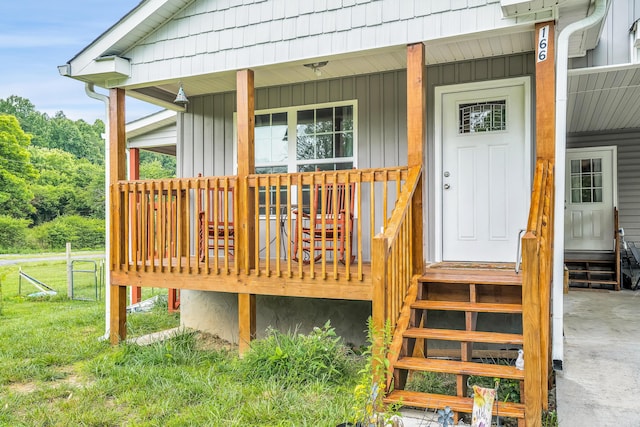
(217, 313)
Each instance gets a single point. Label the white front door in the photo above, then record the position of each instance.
(590, 197)
(485, 173)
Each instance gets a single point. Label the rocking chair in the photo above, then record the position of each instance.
(215, 224)
(329, 228)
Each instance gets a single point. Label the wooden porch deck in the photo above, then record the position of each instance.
(277, 277)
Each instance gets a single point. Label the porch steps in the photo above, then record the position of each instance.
(461, 311)
(592, 272)
(457, 404)
(457, 367)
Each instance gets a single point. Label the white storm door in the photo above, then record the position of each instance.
(589, 192)
(485, 174)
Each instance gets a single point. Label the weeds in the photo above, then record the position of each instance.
(432, 382)
(293, 358)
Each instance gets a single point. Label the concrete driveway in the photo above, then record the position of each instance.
(600, 382)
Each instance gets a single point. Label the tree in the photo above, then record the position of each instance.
(31, 121)
(15, 169)
(66, 186)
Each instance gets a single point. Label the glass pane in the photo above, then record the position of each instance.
(575, 196)
(324, 120)
(305, 123)
(575, 166)
(485, 116)
(586, 165)
(344, 166)
(597, 180)
(586, 180)
(344, 145)
(597, 165)
(324, 148)
(263, 150)
(271, 138)
(306, 147)
(586, 196)
(597, 195)
(344, 118)
(575, 181)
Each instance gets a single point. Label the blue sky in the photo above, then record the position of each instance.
(38, 35)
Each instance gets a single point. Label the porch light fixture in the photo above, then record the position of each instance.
(316, 67)
(181, 98)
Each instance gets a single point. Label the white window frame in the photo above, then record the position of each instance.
(292, 134)
(292, 112)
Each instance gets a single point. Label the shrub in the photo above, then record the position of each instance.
(294, 358)
(83, 233)
(13, 233)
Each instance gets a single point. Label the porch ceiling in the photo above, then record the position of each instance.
(604, 98)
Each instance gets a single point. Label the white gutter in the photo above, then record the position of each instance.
(89, 90)
(562, 65)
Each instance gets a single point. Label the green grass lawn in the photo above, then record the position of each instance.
(54, 371)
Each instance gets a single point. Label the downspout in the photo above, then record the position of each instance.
(91, 93)
(562, 66)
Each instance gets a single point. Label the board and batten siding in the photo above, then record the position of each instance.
(614, 45)
(628, 143)
(206, 131)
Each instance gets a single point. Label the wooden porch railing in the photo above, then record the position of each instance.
(155, 224)
(393, 258)
(537, 262)
(158, 224)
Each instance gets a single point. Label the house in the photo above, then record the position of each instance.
(449, 122)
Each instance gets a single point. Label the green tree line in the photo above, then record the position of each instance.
(52, 178)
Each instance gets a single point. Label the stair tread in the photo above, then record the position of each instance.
(456, 403)
(604, 282)
(460, 335)
(480, 277)
(589, 261)
(459, 367)
(467, 306)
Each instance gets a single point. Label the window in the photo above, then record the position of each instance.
(586, 181)
(486, 116)
(304, 139)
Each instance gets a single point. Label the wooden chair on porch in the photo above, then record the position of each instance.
(330, 223)
(215, 222)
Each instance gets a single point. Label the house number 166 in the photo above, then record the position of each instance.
(543, 43)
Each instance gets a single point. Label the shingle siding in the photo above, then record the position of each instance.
(308, 28)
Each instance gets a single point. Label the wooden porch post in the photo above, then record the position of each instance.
(545, 91)
(531, 332)
(245, 230)
(134, 174)
(117, 172)
(416, 114)
(545, 150)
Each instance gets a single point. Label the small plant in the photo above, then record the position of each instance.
(368, 406)
(549, 419)
(295, 358)
(432, 382)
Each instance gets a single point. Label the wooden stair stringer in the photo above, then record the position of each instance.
(401, 326)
